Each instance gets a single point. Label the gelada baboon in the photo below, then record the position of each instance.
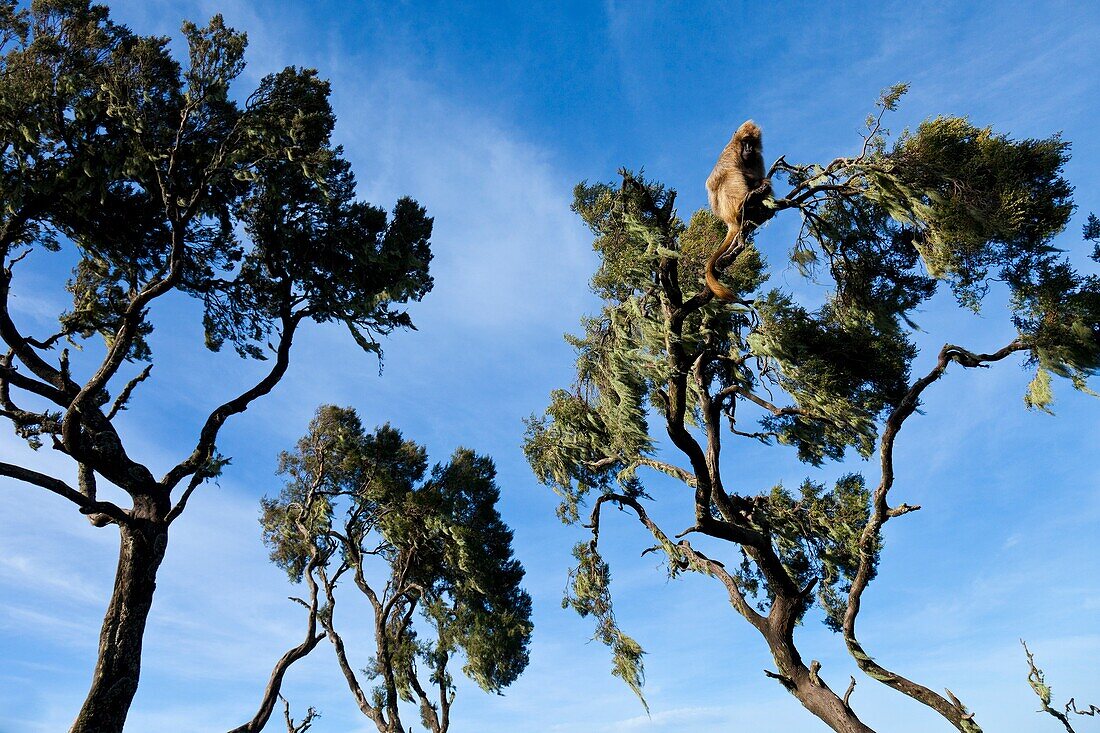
(738, 172)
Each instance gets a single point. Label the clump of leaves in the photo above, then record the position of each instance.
(818, 535)
(589, 594)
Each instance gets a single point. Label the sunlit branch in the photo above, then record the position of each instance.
(881, 512)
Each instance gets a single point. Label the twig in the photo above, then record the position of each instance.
(1036, 679)
(127, 391)
(849, 691)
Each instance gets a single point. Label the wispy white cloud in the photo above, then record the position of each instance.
(676, 719)
(20, 569)
(508, 249)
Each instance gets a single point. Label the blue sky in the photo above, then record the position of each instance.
(488, 115)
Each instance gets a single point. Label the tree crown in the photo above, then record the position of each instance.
(157, 174)
(438, 532)
(948, 203)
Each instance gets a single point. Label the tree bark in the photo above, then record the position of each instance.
(115, 681)
(812, 691)
(801, 681)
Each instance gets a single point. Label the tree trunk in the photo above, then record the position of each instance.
(801, 681)
(824, 703)
(141, 550)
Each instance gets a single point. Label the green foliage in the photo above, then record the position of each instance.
(949, 202)
(1091, 232)
(838, 396)
(892, 95)
(634, 225)
(565, 447)
(1039, 395)
(589, 594)
(324, 465)
(161, 180)
(1057, 311)
(976, 206)
(985, 200)
(595, 435)
(476, 599)
(99, 302)
(872, 259)
(448, 551)
(818, 535)
(745, 274)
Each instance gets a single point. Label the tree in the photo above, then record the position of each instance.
(950, 204)
(358, 505)
(155, 180)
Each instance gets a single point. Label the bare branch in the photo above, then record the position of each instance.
(342, 657)
(849, 691)
(10, 375)
(1092, 710)
(127, 391)
(782, 679)
(307, 721)
(181, 505)
(952, 710)
(1036, 679)
(59, 487)
(760, 401)
(699, 561)
(680, 551)
(667, 468)
(275, 682)
(24, 351)
(204, 449)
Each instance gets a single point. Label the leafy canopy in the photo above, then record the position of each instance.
(443, 545)
(162, 178)
(948, 203)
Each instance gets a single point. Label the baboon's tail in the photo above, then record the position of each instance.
(721, 291)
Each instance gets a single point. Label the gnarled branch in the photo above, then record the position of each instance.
(951, 709)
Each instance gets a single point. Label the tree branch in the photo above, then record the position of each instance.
(711, 409)
(275, 682)
(10, 375)
(87, 505)
(669, 469)
(694, 559)
(307, 721)
(760, 401)
(342, 658)
(208, 436)
(1036, 679)
(428, 712)
(124, 396)
(953, 711)
(26, 354)
(123, 341)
